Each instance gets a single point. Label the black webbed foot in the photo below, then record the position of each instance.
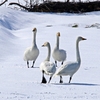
(44, 80)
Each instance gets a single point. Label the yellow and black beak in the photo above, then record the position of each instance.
(43, 45)
(84, 39)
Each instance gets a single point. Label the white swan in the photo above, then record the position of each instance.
(58, 54)
(70, 68)
(47, 66)
(32, 52)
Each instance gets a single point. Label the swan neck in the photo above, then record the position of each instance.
(49, 52)
(77, 52)
(34, 38)
(57, 42)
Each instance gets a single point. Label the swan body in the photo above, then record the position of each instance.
(70, 68)
(28, 55)
(32, 52)
(58, 54)
(47, 66)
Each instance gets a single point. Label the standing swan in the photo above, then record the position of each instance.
(71, 67)
(32, 52)
(46, 66)
(58, 54)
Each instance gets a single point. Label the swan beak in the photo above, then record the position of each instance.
(84, 39)
(58, 34)
(42, 45)
(34, 29)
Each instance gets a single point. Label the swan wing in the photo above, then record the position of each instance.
(68, 68)
(48, 67)
(31, 53)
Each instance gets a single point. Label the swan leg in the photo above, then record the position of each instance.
(61, 80)
(62, 63)
(33, 64)
(70, 79)
(28, 64)
(50, 79)
(56, 63)
(43, 78)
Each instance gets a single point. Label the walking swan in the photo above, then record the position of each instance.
(47, 66)
(32, 52)
(58, 54)
(70, 68)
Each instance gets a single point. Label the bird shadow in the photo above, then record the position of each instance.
(79, 84)
(36, 67)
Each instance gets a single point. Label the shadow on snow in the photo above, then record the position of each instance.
(85, 84)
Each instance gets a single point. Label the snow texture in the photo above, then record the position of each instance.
(17, 82)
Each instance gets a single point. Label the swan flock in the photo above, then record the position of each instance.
(48, 67)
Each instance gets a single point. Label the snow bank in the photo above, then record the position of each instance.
(19, 82)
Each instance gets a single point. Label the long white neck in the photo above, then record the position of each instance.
(57, 42)
(49, 52)
(34, 38)
(77, 52)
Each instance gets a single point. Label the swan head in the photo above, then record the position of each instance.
(58, 34)
(45, 44)
(34, 30)
(81, 38)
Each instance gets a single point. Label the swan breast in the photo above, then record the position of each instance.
(59, 55)
(31, 53)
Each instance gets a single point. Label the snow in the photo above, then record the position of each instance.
(17, 82)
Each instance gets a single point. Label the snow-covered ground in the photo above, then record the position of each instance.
(17, 82)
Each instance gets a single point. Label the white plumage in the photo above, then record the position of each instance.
(47, 66)
(32, 52)
(70, 68)
(58, 54)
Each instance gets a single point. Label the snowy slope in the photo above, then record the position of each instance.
(17, 82)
